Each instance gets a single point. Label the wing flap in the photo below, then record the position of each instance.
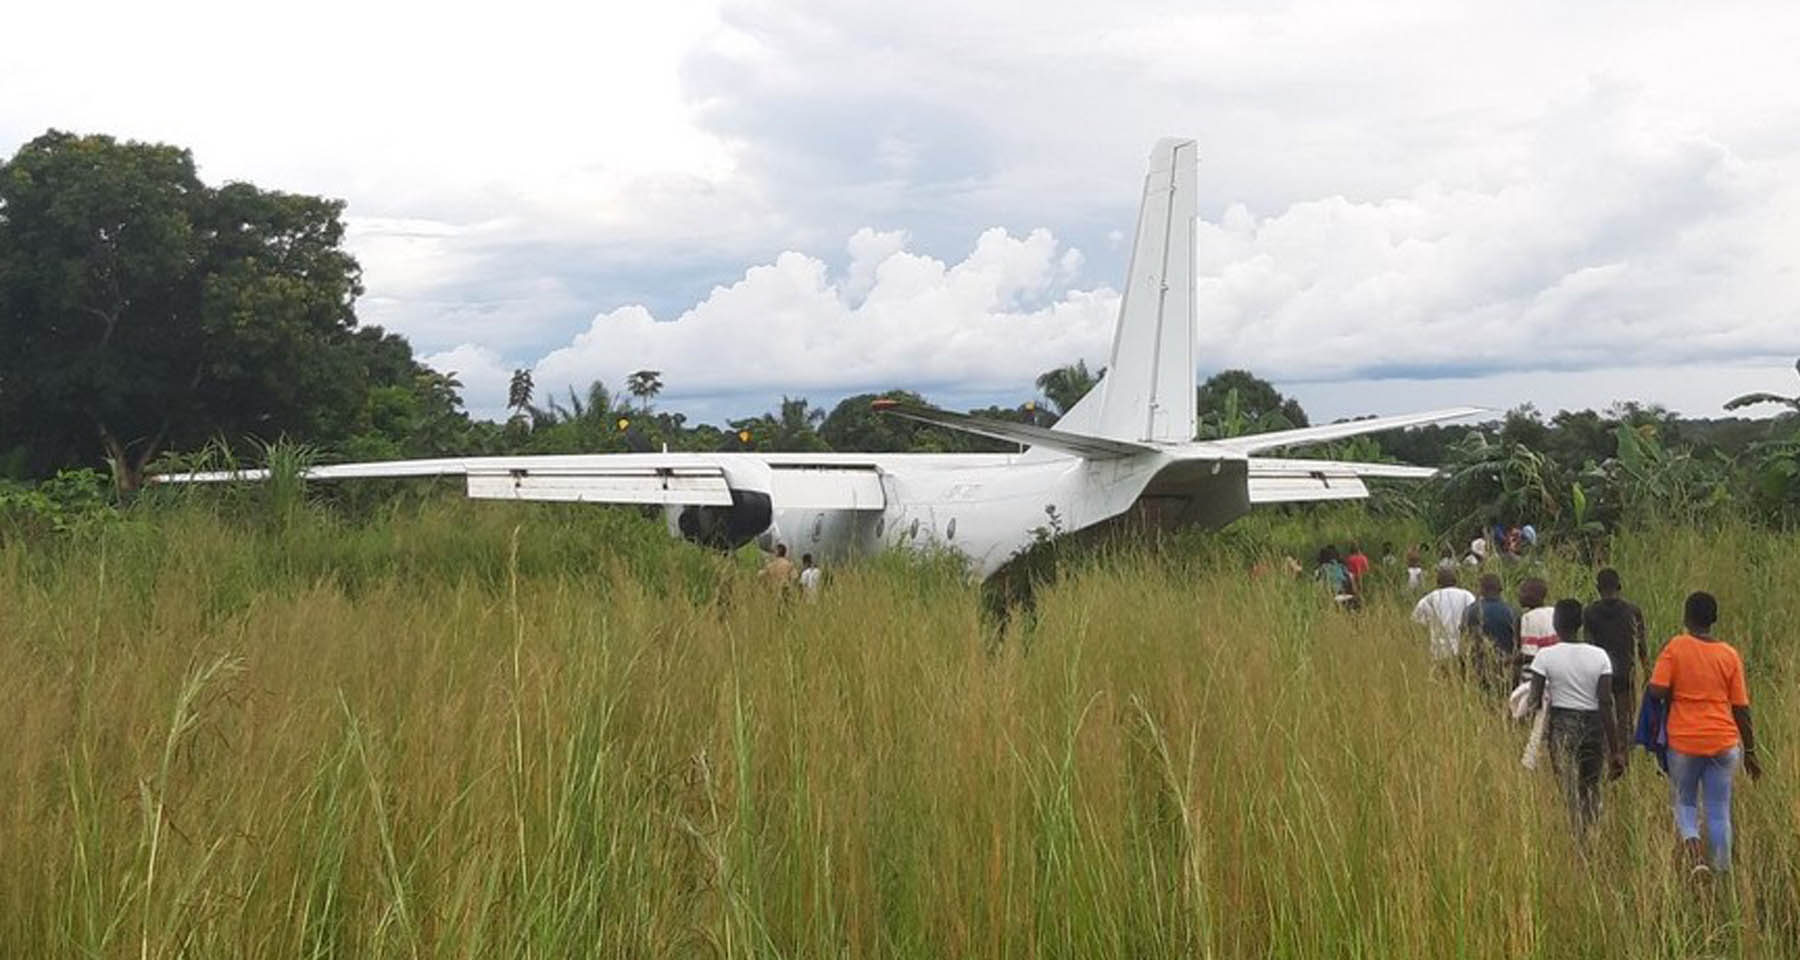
(827, 488)
(1305, 489)
(1270, 467)
(703, 486)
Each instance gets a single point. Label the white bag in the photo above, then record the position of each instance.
(1519, 701)
(1534, 745)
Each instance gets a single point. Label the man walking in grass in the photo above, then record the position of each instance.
(1444, 611)
(1576, 678)
(1617, 627)
(779, 571)
(1493, 625)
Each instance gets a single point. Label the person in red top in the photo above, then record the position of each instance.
(1701, 678)
(1358, 562)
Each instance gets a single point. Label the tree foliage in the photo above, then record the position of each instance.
(1066, 385)
(644, 385)
(1237, 402)
(141, 309)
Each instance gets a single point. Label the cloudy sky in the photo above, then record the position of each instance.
(1402, 204)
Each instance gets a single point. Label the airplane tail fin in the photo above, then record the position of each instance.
(1147, 394)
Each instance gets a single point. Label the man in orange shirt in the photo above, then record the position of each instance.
(1702, 680)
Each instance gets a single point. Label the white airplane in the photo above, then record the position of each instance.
(1126, 449)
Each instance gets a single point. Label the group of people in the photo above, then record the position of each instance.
(1570, 669)
(780, 572)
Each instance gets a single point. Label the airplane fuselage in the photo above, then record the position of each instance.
(985, 507)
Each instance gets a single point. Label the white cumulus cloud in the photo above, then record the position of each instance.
(994, 320)
(1615, 241)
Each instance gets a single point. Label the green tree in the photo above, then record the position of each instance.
(1774, 471)
(1237, 402)
(518, 396)
(142, 310)
(793, 428)
(1065, 386)
(855, 425)
(644, 385)
(594, 423)
(1494, 479)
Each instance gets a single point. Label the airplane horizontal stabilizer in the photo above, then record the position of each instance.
(1257, 443)
(1077, 444)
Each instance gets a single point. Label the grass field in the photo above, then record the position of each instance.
(471, 730)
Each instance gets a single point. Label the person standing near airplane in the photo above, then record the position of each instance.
(1701, 678)
(779, 570)
(810, 577)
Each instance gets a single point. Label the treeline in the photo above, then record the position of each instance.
(144, 314)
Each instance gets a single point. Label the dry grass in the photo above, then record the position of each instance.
(326, 742)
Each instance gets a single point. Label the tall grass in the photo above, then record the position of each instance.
(472, 730)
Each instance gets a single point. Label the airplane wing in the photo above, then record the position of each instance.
(671, 479)
(1078, 444)
(1259, 442)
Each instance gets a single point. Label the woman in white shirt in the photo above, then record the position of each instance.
(1575, 679)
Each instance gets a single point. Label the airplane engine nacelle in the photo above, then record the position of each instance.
(727, 528)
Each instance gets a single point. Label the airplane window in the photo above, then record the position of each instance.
(950, 529)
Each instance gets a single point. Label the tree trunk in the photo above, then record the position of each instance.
(128, 470)
(125, 479)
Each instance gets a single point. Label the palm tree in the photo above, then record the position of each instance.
(644, 384)
(1065, 386)
(1751, 399)
(792, 429)
(518, 397)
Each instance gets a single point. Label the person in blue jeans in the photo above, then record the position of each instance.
(1701, 678)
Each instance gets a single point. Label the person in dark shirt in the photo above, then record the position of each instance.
(1617, 627)
(1492, 618)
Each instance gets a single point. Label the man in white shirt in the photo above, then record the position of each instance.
(1443, 611)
